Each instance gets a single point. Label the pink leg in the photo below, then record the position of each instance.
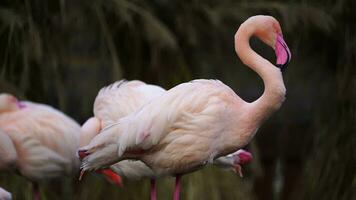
(177, 188)
(153, 189)
(35, 191)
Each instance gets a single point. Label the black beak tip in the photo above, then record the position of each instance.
(283, 67)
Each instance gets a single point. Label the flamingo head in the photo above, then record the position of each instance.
(268, 29)
(9, 103)
(240, 157)
(100, 153)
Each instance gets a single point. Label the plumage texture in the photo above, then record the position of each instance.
(184, 119)
(116, 101)
(133, 170)
(119, 100)
(8, 155)
(44, 138)
(5, 195)
(122, 98)
(196, 122)
(112, 103)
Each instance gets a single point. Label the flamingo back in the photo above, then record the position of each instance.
(122, 98)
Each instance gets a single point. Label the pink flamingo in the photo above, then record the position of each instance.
(5, 195)
(37, 140)
(114, 102)
(196, 122)
(123, 98)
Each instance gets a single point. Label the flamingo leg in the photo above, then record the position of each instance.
(177, 188)
(153, 189)
(36, 191)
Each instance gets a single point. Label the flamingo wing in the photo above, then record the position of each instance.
(42, 136)
(122, 98)
(37, 161)
(8, 154)
(133, 170)
(181, 115)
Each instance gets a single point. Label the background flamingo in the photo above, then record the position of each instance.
(113, 102)
(40, 142)
(5, 195)
(194, 123)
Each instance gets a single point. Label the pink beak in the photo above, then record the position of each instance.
(283, 53)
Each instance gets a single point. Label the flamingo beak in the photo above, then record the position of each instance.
(82, 154)
(283, 53)
(111, 176)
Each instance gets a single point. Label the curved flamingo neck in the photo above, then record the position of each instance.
(274, 92)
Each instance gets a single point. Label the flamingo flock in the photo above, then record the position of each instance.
(140, 130)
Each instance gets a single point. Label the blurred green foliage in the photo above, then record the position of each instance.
(62, 52)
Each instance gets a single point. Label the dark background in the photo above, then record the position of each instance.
(62, 52)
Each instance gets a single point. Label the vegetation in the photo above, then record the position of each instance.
(62, 52)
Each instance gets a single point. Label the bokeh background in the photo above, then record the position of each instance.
(62, 52)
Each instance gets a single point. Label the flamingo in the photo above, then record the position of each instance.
(113, 102)
(37, 141)
(196, 122)
(5, 195)
(119, 100)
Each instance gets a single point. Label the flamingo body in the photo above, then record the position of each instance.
(119, 100)
(37, 140)
(45, 140)
(186, 125)
(114, 102)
